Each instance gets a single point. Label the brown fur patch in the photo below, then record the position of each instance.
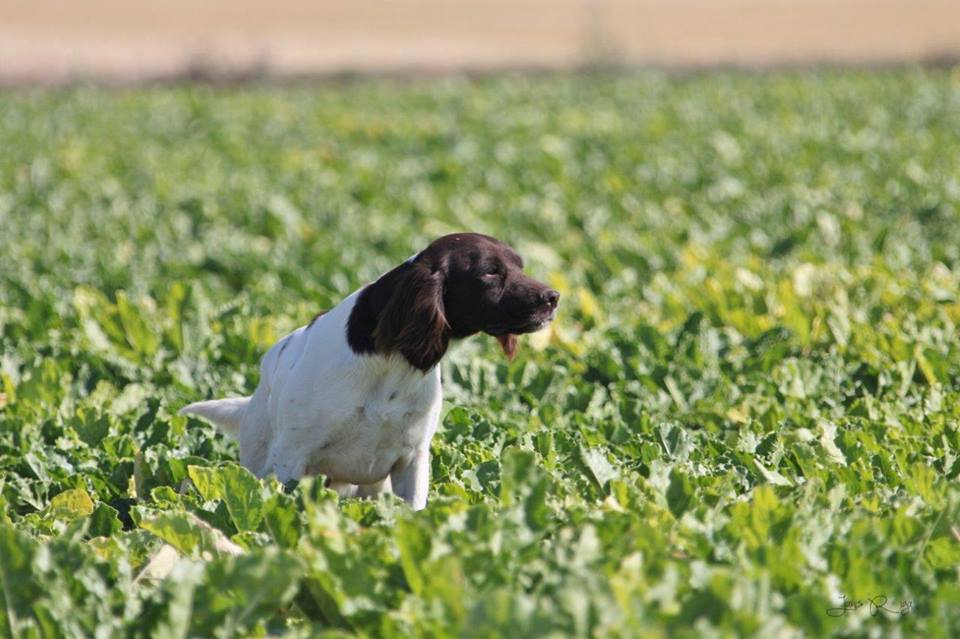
(413, 322)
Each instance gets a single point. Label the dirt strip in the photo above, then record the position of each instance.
(49, 41)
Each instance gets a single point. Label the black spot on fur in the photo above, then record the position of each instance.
(315, 318)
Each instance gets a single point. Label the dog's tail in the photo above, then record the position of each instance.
(225, 414)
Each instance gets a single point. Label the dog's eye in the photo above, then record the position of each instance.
(491, 271)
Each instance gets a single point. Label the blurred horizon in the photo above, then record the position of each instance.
(48, 43)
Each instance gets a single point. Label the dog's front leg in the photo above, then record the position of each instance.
(411, 480)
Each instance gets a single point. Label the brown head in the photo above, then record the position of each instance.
(462, 284)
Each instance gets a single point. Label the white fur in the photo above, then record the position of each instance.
(364, 421)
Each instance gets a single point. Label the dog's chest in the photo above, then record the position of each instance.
(383, 415)
(386, 415)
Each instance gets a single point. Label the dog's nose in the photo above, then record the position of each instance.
(550, 297)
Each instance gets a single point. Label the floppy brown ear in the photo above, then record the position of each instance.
(508, 342)
(413, 323)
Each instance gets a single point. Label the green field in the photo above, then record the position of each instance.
(747, 408)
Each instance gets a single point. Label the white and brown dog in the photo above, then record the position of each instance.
(355, 395)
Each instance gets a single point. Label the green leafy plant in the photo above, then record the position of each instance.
(746, 411)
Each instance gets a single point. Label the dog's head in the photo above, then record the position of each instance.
(461, 284)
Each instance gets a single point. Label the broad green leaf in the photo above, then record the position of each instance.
(20, 589)
(413, 542)
(71, 504)
(601, 470)
(176, 529)
(208, 481)
(241, 493)
(771, 476)
(680, 493)
(104, 521)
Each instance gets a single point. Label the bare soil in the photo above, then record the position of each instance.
(51, 41)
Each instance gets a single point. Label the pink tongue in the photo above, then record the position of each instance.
(508, 343)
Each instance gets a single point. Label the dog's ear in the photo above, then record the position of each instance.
(413, 321)
(508, 342)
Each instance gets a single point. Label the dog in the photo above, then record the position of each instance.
(355, 395)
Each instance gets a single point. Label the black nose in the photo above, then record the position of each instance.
(550, 297)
